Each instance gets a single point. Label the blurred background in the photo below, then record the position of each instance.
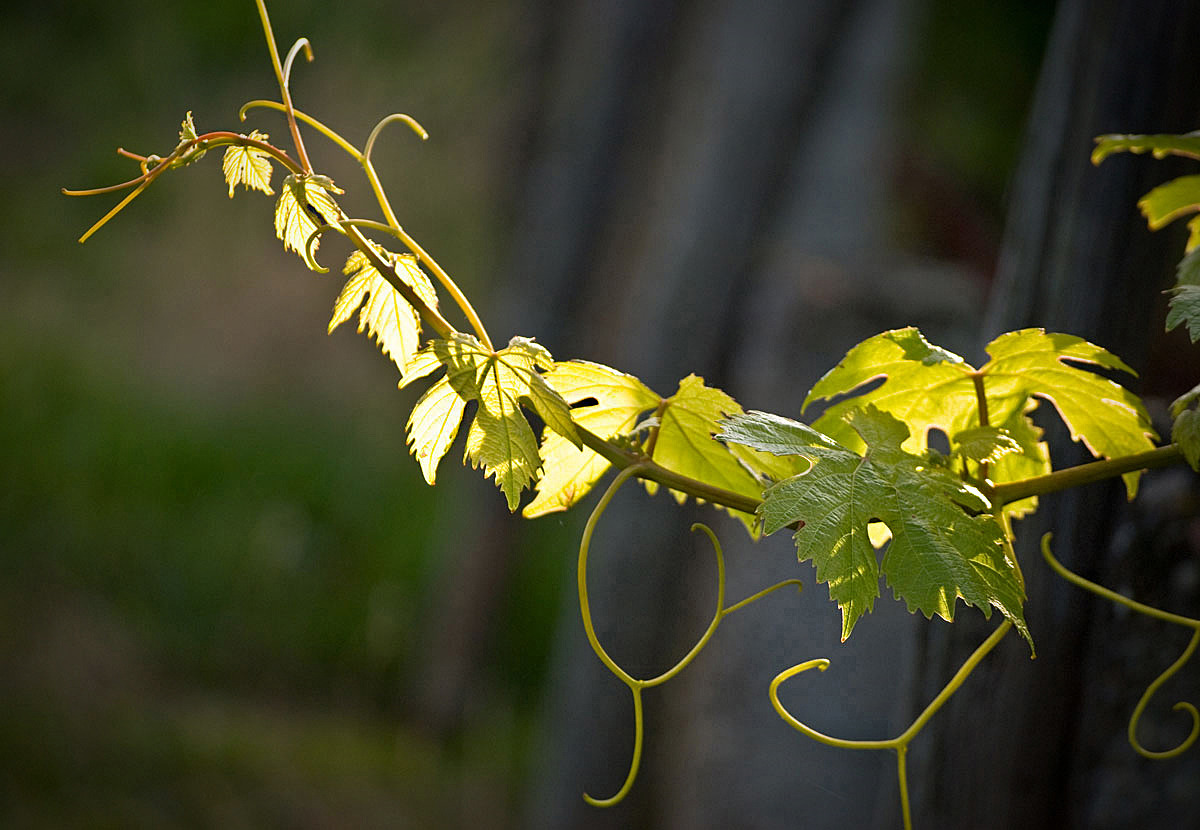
(228, 599)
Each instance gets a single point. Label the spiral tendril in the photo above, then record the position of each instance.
(1158, 614)
(637, 685)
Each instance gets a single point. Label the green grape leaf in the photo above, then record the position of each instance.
(1185, 308)
(927, 390)
(1188, 270)
(569, 471)
(774, 434)
(1187, 399)
(385, 315)
(944, 546)
(1161, 146)
(688, 421)
(1186, 433)
(302, 200)
(249, 166)
(988, 444)
(1186, 429)
(500, 439)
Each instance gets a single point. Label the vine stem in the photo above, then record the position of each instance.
(363, 157)
(1088, 473)
(1158, 614)
(635, 685)
(900, 742)
(284, 94)
(218, 138)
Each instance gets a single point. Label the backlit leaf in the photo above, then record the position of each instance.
(568, 471)
(1168, 202)
(385, 315)
(249, 166)
(688, 422)
(303, 200)
(945, 546)
(432, 426)
(927, 390)
(500, 439)
(1160, 145)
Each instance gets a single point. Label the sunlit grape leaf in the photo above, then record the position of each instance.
(303, 199)
(1033, 459)
(1161, 146)
(944, 547)
(249, 166)
(500, 439)
(688, 422)
(1185, 309)
(1168, 202)
(927, 390)
(568, 471)
(433, 424)
(923, 387)
(385, 315)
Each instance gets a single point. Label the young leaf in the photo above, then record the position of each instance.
(249, 166)
(941, 550)
(304, 199)
(568, 471)
(1185, 308)
(385, 315)
(500, 439)
(187, 132)
(927, 390)
(432, 426)
(988, 444)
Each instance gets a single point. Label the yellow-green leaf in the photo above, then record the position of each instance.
(928, 388)
(249, 166)
(500, 439)
(432, 426)
(302, 201)
(568, 471)
(1161, 146)
(385, 315)
(685, 443)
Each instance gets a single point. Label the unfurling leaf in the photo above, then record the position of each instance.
(187, 133)
(569, 471)
(500, 439)
(930, 388)
(249, 166)
(945, 545)
(303, 200)
(385, 315)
